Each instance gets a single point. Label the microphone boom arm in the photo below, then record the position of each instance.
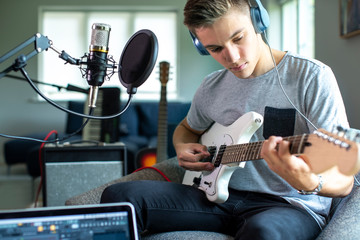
(40, 42)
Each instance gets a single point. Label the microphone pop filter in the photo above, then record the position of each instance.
(138, 59)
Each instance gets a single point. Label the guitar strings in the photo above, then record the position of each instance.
(232, 153)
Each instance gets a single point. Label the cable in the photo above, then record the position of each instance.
(41, 166)
(157, 170)
(51, 141)
(282, 88)
(357, 182)
(69, 111)
(87, 116)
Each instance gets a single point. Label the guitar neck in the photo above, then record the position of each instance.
(252, 151)
(161, 150)
(162, 133)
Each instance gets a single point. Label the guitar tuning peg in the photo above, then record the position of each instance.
(357, 137)
(353, 134)
(340, 128)
(340, 131)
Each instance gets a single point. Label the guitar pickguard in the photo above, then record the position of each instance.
(215, 183)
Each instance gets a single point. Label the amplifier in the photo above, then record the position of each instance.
(70, 170)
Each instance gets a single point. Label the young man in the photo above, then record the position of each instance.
(264, 201)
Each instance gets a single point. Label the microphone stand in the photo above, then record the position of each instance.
(42, 43)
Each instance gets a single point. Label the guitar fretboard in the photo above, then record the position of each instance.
(162, 132)
(161, 150)
(252, 151)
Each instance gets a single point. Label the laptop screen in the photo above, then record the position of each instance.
(97, 222)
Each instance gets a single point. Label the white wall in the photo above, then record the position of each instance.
(342, 55)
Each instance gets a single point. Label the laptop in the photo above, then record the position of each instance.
(97, 222)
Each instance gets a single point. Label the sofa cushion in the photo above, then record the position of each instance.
(148, 115)
(188, 235)
(345, 222)
(169, 168)
(177, 111)
(73, 122)
(16, 150)
(129, 121)
(346, 216)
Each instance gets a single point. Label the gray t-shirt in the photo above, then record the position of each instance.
(311, 86)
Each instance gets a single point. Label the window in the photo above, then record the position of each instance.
(71, 31)
(297, 26)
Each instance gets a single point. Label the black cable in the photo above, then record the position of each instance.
(91, 110)
(72, 112)
(87, 116)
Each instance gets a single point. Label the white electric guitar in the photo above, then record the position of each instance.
(229, 148)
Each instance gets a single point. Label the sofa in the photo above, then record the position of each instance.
(137, 130)
(343, 222)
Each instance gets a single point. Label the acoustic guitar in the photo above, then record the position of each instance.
(149, 156)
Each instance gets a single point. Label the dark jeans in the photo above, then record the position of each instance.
(164, 206)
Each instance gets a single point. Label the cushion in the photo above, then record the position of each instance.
(188, 235)
(148, 114)
(344, 223)
(73, 122)
(129, 121)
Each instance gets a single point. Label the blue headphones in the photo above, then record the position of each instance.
(259, 17)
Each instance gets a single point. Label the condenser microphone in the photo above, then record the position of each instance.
(96, 70)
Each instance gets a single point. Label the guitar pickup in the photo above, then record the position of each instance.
(219, 155)
(212, 151)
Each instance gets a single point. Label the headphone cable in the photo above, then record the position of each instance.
(282, 87)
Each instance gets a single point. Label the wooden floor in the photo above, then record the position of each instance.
(17, 188)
